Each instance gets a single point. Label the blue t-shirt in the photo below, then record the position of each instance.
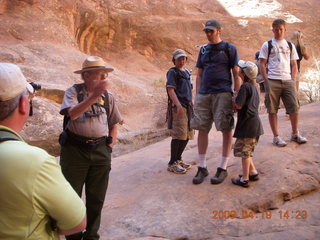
(216, 65)
(181, 82)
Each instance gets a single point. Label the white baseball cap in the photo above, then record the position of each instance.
(12, 81)
(249, 68)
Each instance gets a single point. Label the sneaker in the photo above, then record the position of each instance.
(186, 166)
(254, 177)
(221, 174)
(237, 181)
(176, 168)
(298, 138)
(277, 141)
(201, 174)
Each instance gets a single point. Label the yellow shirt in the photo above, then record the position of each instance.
(33, 190)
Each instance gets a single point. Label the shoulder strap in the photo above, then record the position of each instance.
(7, 136)
(226, 50)
(269, 49)
(106, 104)
(79, 88)
(290, 46)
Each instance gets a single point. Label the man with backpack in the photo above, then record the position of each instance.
(88, 138)
(36, 201)
(213, 102)
(278, 63)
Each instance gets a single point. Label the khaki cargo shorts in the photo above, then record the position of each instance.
(211, 108)
(244, 147)
(180, 129)
(286, 90)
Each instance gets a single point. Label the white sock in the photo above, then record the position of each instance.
(224, 162)
(202, 160)
(253, 172)
(243, 180)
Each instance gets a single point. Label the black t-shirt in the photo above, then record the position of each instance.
(181, 82)
(248, 124)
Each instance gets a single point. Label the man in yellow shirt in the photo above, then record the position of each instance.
(36, 201)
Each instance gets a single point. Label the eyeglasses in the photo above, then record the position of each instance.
(98, 73)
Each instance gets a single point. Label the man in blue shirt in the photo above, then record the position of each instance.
(213, 102)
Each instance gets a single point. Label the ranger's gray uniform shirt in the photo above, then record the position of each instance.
(86, 126)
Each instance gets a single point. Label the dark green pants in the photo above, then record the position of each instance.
(91, 168)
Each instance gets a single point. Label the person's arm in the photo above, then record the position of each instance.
(175, 100)
(199, 79)
(113, 132)
(306, 56)
(236, 77)
(237, 106)
(77, 110)
(263, 69)
(294, 71)
(75, 229)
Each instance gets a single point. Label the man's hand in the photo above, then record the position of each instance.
(99, 89)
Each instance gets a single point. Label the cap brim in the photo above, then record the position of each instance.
(90, 69)
(242, 64)
(30, 88)
(180, 55)
(209, 28)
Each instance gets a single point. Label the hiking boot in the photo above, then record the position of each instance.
(221, 174)
(254, 177)
(239, 182)
(201, 174)
(186, 166)
(277, 141)
(298, 138)
(176, 168)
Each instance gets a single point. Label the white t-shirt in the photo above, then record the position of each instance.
(279, 59)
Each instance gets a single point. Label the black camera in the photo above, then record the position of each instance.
(36, 86)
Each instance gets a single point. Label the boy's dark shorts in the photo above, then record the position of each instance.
(244, 147)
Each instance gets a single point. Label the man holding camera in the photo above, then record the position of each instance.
(88, 138)
(36, 201)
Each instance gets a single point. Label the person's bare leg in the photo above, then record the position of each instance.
(294, 119)
(226, 148)
(252, 168)
(246, 162)
(203, 140)
(273, 120)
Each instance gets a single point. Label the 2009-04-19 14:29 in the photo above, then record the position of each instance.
(268, 214)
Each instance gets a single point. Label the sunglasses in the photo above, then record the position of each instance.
(208, 31)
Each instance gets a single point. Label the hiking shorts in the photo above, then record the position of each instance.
(180, 127)
(286, 90)
(244, 147)
(209, 108)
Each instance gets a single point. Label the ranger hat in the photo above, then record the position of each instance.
(93, 63)
(249, 68)
(12, 82)
(212, 25)
(178, 53)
